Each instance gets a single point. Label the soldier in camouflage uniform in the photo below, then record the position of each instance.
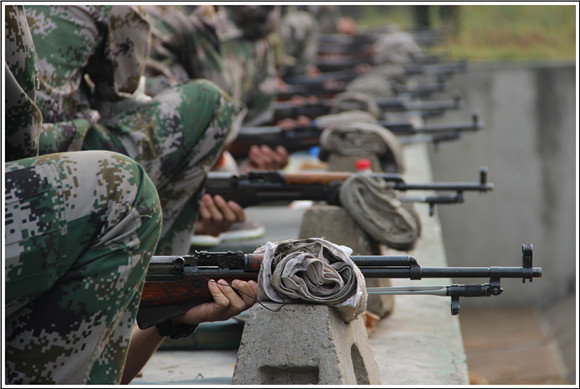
(229, 45)
(299, 34)
(246, 34)
(80, 229)
(92, 101)
(184, 46)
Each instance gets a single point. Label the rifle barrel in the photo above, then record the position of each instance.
(451, 272)
(371, 266)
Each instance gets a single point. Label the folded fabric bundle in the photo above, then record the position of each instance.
(373, 204)
(349, 101)
(362, 138)
(314, 271)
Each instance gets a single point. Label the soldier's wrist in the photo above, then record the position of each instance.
(175, 329)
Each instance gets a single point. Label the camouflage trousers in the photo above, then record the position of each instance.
(80, 229)
(177, 137)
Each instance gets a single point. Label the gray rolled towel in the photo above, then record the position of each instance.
(374, 205)
(372, 84)
(395, 48)
(314, 271)
(361, 138)
(335, 119)
(349, 101)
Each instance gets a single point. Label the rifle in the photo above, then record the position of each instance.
(288, 109)
(424, 37)
(349, 74)
(174, 284)
(346, 60)
(425, 89)
(259, 187)
(305, 137)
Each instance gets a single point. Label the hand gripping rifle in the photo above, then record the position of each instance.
(305, 137)
(174, 284)
(261, 187)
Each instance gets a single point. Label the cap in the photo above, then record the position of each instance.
(363, 164)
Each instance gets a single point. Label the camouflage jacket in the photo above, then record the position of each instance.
(86, 55)
(22, 116)
(252, 63)
(184, 46)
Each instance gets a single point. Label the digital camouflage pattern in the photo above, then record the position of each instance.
(184, 46)
(70, 39)
(299, 34)
(80, 229)
(182, 133)
(252, 63)
(22, 116)
(176, 136)
(327, 16)
(205, 41)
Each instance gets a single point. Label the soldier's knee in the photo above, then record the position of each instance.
(121, 185)
(208, 108)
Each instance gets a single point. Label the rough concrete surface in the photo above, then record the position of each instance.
(304, 344)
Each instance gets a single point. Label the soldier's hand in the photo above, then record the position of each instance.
(265, 158)
(216, 215)
(227, 302)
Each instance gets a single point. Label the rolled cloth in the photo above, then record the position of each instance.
(335, 119)
(395, 48)
(352, 100)
(374, 205)
(361, 138)
(373, 85)
(312, 270)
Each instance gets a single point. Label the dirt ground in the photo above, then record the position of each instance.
(512, 346)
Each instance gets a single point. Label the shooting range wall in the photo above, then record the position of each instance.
(529, 145)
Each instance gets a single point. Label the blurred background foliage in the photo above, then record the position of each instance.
(485, 32)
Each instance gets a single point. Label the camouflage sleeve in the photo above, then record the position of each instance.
(299, 34)
(23, 117)
(64, 136)
(65, 37)
(184, 46)
(117, 73)
(261, 90)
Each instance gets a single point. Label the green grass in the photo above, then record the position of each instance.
(495, 32)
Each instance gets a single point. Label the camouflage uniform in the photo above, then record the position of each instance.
(208, 42)
(80, 229)
(176, 136)
(248, 51)
(298, 31)
(184, 46)
(327, 16)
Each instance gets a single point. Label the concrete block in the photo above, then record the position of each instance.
(304, 344)
(347, 163)
(334, 224)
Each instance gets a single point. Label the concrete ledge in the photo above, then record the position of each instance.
(420, 343)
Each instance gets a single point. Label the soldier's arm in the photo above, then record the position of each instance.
(227, 303)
